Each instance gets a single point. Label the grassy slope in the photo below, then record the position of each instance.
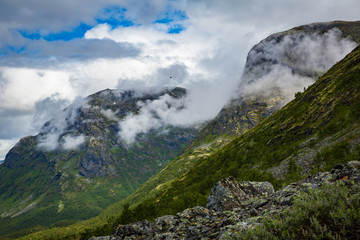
(324, 119)
(55, 192)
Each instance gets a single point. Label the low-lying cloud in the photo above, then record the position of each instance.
(293, 63)
(52, 133)
(152, 115)
(274, 67)
(5, 145)
(72, 142)
(109, 114)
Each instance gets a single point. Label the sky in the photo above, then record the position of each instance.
(52, 52)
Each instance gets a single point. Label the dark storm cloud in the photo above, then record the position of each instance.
(59, 51)
(45, 15)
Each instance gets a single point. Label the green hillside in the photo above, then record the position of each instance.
(243, 112)
(318, 128)
(246, 110)
(42, 187)
(313, 132)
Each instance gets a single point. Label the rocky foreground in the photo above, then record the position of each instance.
(233, 207)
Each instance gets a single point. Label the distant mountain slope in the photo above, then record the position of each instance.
(303, 53)
(79, 164)
(318, 128)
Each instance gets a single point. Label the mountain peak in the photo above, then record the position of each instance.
(279, 66)
(81, 152)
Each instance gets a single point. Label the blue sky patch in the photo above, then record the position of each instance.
(11, 50)
(78, 32)
(114, 17)
(32, 36)
(171, 17)
(177, 28)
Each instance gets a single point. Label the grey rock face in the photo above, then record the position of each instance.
(233, 207)
(225, 195)
(228, 193)
(143, 228)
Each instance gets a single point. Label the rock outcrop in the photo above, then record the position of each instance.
(232, 207)
(228, 193)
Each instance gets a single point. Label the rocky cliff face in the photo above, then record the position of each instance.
(278, 67)
(80, 162)
(236, 207)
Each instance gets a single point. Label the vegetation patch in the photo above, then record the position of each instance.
(331, 212)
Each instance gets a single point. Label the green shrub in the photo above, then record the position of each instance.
(333, 212)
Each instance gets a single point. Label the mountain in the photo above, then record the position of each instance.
(79, 164)
(247, 109)
(303, 53)
(312, 133)
(308, 134)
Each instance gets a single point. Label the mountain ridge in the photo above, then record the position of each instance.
(43, 178)
(230, 119)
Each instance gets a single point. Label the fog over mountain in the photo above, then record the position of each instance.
(53, 53)
(292, 63)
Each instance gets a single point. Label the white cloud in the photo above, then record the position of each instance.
(22, 87)
(207, 58)
(153, 114)
(72, 142)
(109, 114)
(5, 146)
(292, 63)
(191, 110)
(159, 49)
(21, 90)
(50, 141)
(50, 135)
